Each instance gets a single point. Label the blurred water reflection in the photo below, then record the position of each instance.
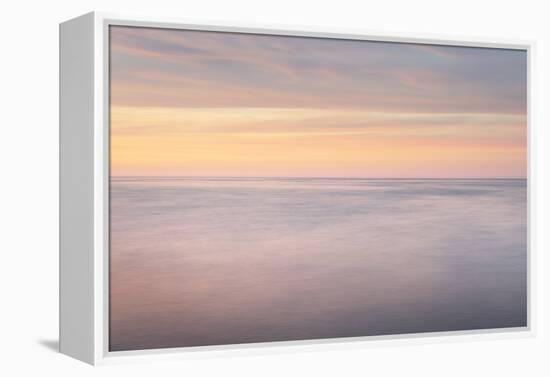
(200, 261)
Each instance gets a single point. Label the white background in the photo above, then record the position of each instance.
(29, 189)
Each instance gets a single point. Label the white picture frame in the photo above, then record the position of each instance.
(84, 157)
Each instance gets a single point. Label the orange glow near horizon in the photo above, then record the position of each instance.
(262, 142)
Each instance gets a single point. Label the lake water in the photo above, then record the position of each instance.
(202, 261)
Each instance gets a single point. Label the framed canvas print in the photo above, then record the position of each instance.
(224, 187)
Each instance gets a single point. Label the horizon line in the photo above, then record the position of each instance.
(308, 177)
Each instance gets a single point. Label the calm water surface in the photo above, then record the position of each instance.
(238, 260)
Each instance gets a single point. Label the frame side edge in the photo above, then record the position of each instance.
(76, 117)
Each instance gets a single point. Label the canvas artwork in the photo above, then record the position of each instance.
(275, 188)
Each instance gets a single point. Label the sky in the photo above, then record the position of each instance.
(197, 103)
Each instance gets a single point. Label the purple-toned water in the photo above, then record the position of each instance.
(201, 261)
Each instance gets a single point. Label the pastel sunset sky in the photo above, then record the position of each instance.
(194, 103)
